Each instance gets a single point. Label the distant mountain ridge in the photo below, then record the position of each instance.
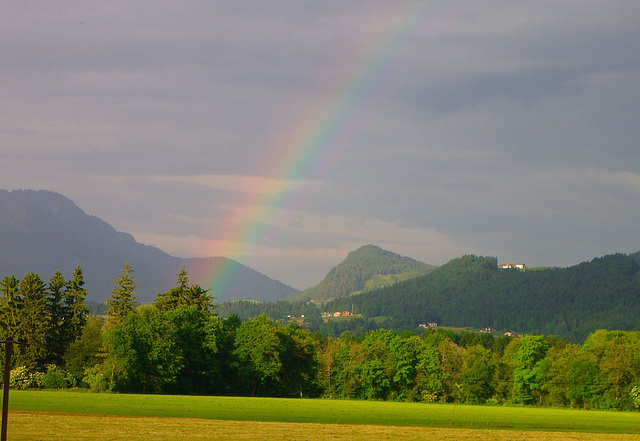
(365, 269)
(44, 231)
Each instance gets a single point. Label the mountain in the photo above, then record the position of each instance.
(43, 231)
(366, 269)
(472, 291)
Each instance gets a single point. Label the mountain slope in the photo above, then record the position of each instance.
(43, 231)
(365, 269)
(473, 291)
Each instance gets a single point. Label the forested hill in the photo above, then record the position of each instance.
(366, 269)
(472, 291)
(42, 231)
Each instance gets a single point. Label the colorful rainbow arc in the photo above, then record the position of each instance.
(311, 148)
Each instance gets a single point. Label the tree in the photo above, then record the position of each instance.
(299, 365)
(429, 374)
(122, 301)
(144, 352)
(184, 294)
(197, 335)
(86, 351)
(56, 339)
(327, 358)
(529, 373)
(33, 322)
(405, 352)
(76, 310)
(477, 375)
(257, 356)
(618, 358)
(10, 305)
(378, 369)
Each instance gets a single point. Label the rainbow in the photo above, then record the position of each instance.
(309, 148)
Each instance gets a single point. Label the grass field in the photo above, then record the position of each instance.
(66, 427)
(326, 412)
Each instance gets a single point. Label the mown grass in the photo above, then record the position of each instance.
(351, 412)
(66, 427)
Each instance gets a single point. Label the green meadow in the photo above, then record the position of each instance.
(318, 411)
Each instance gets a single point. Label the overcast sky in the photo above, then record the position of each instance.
(284, 134)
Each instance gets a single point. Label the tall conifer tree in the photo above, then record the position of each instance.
(122, 301)
(76, 312)
(34, 322)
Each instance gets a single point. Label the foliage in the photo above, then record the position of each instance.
(634, 394)
(367, 268)
(122, 300)
(141, 348)
(56, 378)
(99, 378)
(185, 348)
(45, 318)
(184, 294)
(23, 378)
(472, 291)
(86, 351)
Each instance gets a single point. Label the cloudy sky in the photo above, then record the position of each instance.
(284, 134)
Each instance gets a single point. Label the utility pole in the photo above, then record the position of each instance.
(7, 377)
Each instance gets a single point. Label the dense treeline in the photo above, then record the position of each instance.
(472, 291)
(179, 344)
(46, 318)
(307, 312)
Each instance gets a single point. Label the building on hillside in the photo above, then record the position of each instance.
(513, 265)
(429, 325)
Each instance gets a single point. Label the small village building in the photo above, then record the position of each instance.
(513, 265)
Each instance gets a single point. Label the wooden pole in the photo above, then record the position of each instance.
(7, 377)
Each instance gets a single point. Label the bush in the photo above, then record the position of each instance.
(56, 378)
(635, 396)
(22, 378)
(96, 379)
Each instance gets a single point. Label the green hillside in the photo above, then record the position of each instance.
(473, 291)
(366, 269)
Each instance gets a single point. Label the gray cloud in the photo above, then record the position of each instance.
(503, 128)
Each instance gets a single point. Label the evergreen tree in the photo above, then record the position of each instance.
(76, 311)
(184, 294)
(122, 301)
(57, 318)
(10, 305)
(34, 321)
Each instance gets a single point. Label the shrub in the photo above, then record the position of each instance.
(22, 378)
(635, 396)
(56, 378)
(97, 380)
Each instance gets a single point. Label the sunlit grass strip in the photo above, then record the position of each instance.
(327, 411)
(67, 427)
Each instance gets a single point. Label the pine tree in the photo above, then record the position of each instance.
(10, 305)
(34, 321)
(57, 318)
(76, 311)
(184, 294)
(122, 301)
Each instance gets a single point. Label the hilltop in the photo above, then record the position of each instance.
(366, 269)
